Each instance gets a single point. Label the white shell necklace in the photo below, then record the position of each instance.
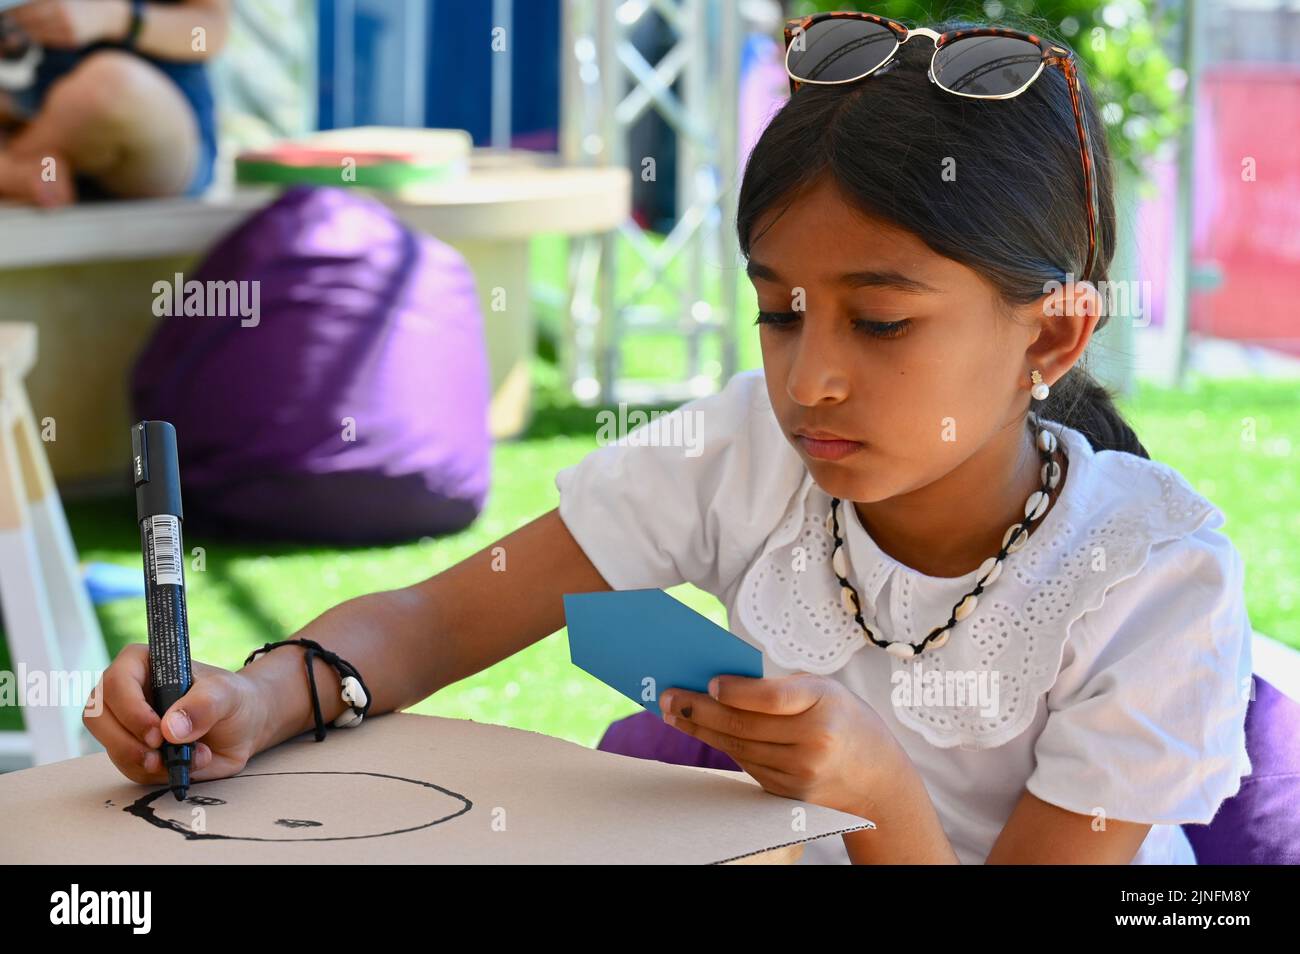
(1014, 539)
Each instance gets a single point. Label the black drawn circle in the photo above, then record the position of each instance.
(142, 808)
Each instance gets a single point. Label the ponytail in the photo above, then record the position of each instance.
(1079, 401)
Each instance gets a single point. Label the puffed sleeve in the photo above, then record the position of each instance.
(687, 497)
(1146, 720)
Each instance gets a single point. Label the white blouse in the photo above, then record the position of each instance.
(1110, 662)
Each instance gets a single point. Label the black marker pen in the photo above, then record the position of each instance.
(158, 508)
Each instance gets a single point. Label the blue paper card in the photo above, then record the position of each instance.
(642, 642)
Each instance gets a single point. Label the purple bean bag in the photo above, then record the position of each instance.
(350, 405)
(644, 735)
(1260, 825)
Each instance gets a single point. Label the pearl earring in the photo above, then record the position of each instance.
(1040, 390)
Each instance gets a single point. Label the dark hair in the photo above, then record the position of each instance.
(1013, 220)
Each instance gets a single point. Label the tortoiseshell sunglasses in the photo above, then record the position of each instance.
(983, 63)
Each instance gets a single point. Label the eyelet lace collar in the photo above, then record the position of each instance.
(789, 602)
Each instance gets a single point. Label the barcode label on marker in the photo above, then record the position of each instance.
(166, 550)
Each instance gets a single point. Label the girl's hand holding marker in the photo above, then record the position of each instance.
(223, 709)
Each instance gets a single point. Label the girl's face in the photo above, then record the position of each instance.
(903, 362)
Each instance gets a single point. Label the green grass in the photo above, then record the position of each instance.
(1238, 443)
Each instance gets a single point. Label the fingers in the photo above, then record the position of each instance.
(120, 717)
(123, 689)
(775, 756)
(124, 750)
(195, 713)
(203, 766)
(137, 761)
(744, 723)
(755, 739)
(777, 695)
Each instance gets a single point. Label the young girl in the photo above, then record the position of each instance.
(989, 623)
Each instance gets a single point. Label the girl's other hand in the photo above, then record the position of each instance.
(225, 713)
(800, 736)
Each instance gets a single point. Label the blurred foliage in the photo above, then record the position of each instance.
(1137, 88)
(264, 80)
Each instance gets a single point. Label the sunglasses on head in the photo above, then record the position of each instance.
(828, 49)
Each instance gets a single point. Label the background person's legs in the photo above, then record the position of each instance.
(8, 113)
(115, 119)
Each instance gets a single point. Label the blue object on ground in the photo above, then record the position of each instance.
(108, 581)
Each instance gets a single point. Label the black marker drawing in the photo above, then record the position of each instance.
(204, 800)
(374, 801)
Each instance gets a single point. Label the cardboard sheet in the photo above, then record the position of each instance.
(408, 789)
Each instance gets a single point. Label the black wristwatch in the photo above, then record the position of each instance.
(137, 21)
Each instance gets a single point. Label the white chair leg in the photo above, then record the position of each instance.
(34, 647)
(80, 638)
(54, 640)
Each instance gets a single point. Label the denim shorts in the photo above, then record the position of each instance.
(190, 78)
